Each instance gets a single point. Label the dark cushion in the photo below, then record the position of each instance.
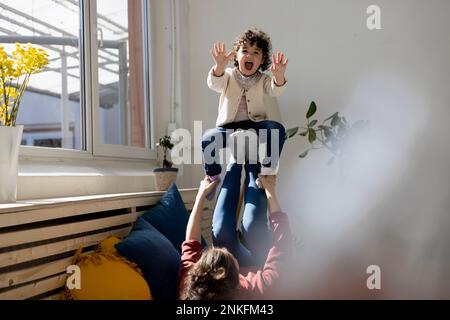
(170, 217)
(155, 256)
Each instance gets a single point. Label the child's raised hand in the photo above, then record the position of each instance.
(278, 68)
(220, 56)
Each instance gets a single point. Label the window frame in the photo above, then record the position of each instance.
(89, 104)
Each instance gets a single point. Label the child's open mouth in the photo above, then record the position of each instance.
(249, 66)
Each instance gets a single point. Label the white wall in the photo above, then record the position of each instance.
(389, 205)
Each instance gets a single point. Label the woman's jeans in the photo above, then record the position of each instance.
(219, 136)
(256, 236)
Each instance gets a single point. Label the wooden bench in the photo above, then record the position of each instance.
(39, 238)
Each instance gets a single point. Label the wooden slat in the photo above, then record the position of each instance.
(33, 205)
(34, 273)
(188, 195)
(38, 234)
(207, 213)
(18, 218)
(35, 288)
(33, 253)
(42, 210)
(189, 206)
(74, 209)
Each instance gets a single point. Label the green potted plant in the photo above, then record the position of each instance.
(165, 175)
(15, 73)
(333, 134)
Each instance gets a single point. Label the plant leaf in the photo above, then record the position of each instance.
(313, 123)
(311, 135)
(332, 116)
(335, 121)
(291, 132)
(303, 134)
(304, 154)
(312, 110)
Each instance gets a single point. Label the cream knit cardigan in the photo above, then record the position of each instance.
(261, 101)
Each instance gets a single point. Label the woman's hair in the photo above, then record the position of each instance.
(215, 276)
(262, 41)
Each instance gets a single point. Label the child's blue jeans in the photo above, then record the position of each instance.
(256, 235)
(212, 135)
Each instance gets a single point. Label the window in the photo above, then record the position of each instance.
(94, 95)
(51, 109)
(123, 95)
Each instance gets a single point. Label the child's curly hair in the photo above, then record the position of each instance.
(215, 276)
(262, 40)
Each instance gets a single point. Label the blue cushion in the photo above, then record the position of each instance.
(170, 217)
(155, 256)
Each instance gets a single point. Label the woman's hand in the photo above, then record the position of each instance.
(278, 68)
(206, 187)
(220, 57)
(194, 226)
(268, 183)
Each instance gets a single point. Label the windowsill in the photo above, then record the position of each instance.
(28, 205)
(46, 178)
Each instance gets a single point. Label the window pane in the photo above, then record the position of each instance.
(50, 109)
(121, 72)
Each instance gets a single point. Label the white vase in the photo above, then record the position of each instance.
(10, 139)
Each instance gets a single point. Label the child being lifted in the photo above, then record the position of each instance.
(242, 104)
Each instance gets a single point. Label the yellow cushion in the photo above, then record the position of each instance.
(107, 245)
(106, 275)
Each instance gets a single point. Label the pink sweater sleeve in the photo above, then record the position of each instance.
(259, 284)
(191, 251)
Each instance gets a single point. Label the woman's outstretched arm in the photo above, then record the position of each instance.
(269, 183)
(194, 228)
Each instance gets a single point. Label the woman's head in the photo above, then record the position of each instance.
(215, 276)
(252, 51)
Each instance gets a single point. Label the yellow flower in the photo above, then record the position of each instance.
(14, 77)
(30, 59)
